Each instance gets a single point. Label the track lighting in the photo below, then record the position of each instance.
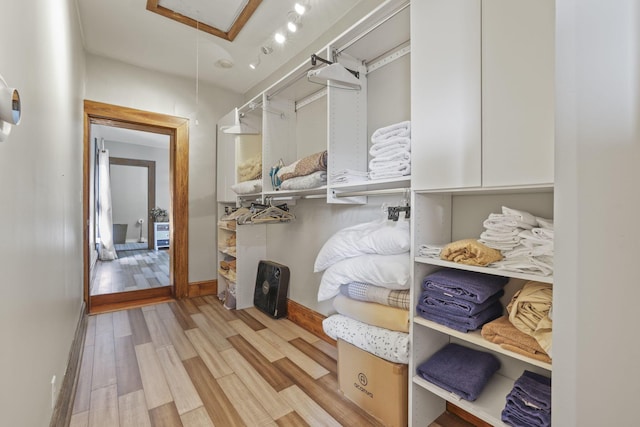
(279, 38)
(292, 26)
(255, 64)
(300, 9)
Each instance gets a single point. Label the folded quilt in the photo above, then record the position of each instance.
(389, 345)
(440, 302)
(470, 252)
(390, 147)
(305, 166)
(366, 292)
(382, 316)
(393, 130)
(465, 285)
(460, 370)
(529, 312)
(503, 333)
(461, 323)
(305, 182)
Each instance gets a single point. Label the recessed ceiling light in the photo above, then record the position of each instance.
(280, 38)
(224, 63)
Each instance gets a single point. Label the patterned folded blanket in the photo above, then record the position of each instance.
(305, 166)
(470, 252)
(370, 293)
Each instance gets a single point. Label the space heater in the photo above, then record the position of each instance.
(272, 284)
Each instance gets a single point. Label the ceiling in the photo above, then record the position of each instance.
(126, 31)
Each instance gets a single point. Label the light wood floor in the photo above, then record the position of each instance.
(132, 270)
(194, 363)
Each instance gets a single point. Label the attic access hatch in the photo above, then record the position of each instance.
(221, 18)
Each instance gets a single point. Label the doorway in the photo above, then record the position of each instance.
(176, 129)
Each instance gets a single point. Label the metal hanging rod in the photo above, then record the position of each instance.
(370, 192)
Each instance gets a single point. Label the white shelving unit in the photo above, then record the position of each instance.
(161, 235)
(482, 133)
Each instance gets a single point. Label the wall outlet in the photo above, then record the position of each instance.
(53, 392)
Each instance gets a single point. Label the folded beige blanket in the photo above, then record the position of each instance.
(371, 313)
(501, 331)
(529, 312)
(470, 252)
(250, 169)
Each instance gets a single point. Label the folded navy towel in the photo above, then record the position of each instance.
(533, 388)
(465, 285)
(459, 370)
(460, 322)
(515, 418)
(521, 410)
(448, 304)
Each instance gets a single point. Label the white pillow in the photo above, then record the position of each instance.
(388, 271)
(247, 187)
(382, 237)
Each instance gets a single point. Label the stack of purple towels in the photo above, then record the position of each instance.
(461, 300)
(529, 402)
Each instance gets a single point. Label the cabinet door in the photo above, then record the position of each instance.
(445, 94)
(225, 161)
(517, 92)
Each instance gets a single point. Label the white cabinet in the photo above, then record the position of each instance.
(161, 235)
(482, 83)
(225, 161)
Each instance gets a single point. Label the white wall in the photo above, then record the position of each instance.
(129, 190)
(41, 192)
(596, 292)
(121, 84)
(127, 213)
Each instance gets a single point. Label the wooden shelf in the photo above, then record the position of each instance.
(474, 337)
(487, 270)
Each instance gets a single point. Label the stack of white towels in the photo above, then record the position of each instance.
(391, 151)
(526, 241)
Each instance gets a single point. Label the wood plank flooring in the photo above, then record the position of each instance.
(193, 363)
(132, 270)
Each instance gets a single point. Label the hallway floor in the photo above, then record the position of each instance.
(132, 270)
(194, 363)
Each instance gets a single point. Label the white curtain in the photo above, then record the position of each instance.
(105, 221)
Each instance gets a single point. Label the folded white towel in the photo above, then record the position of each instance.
(523, 216)
(533, 239)
(539, 265)
(545, 223)
(524, 251)
(404, 169)
(346, 179)
(349, 172)
(430, 251)
(504, 223)
(386, 162)
(305, 182)
(390, 146)
(543, 233)
(396, 129)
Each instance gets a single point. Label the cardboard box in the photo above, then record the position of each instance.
(376, 385)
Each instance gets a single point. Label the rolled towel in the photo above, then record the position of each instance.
(440, 302)
(393, 130)
(470, 252)
(461, 323)
(460, 370)
(464, 285)
(501, 331)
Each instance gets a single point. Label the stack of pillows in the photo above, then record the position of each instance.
(366, 271)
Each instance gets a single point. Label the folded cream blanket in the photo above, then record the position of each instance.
(371, 313)
(501, 331)
(529, 312)
(470, 252)
(250, 169)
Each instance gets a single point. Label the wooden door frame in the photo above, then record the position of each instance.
(151, 187)
(178, 130)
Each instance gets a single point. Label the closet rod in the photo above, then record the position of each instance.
(370, 29)
(371, 192)
(303, 73)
